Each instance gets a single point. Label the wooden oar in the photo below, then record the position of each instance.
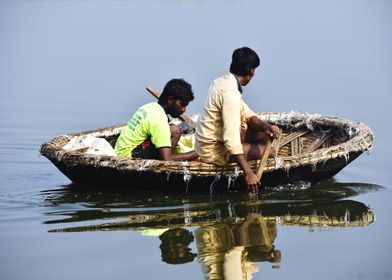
(263, 161)
(184, 118)
(153, 92)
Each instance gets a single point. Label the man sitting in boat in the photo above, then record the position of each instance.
(149, 135)
(228, 130)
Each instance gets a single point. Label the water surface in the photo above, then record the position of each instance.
(69, 66)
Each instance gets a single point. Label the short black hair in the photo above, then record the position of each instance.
(243, 61)
(175, 246)
(178, 89)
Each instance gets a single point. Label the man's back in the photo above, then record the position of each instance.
(149, 121)
(219, 125)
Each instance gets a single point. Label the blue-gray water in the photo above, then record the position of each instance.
(69, 66)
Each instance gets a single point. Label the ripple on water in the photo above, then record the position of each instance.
(16, 207)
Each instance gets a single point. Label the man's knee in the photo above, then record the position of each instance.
(175, 136)
(256, 151)
(175, 131)
(252, 136)
(272, 153)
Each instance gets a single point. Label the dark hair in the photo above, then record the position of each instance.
(243, 60)
(175, 246)
(178, 89)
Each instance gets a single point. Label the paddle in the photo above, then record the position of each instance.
(263, 161)
(276, 144)
(153, 92)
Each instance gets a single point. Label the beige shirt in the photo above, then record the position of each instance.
(219, 125)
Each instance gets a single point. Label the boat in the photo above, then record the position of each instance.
(312, 148)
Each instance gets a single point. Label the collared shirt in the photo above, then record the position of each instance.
(238, 83)
(219, 126)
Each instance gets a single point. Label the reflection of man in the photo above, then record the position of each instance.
(175, 246)
(228, 251)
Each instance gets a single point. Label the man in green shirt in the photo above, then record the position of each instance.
(148, 133)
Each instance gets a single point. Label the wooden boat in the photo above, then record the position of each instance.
(312, 148)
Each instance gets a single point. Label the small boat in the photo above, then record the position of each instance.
(312, 148)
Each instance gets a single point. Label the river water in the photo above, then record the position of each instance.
(68, 66)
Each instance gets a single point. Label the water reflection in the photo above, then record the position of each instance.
(232, 250)
(175, 246)
(121, 210)
(231, 232)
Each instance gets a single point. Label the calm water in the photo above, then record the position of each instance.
(68, 66)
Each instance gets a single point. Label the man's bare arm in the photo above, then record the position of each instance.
(166, 154)
(251, 181)
(258, 125)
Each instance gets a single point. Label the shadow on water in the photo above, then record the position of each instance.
(232, 231)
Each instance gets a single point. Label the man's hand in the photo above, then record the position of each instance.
(274, 131)
(258, 125)
(252, 182)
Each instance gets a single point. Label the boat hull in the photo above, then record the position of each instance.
(314, 148)
(111, 178)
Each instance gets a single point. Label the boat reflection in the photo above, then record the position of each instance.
(231, 231)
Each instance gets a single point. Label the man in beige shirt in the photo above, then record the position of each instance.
(227, 130)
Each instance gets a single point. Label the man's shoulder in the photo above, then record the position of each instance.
(156, 115)
(151, 110)
(150, 106)
(226, 82)
(224, 78)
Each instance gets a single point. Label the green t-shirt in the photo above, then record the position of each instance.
(149, 121)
